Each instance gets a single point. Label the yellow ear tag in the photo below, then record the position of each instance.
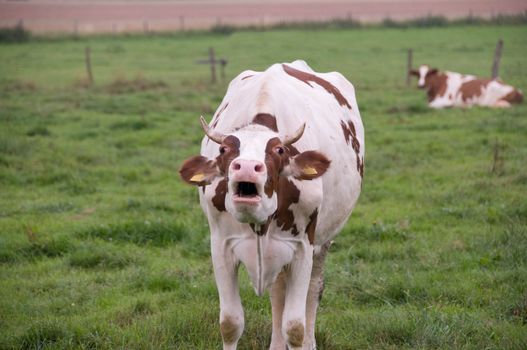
(310, 170)
(198, 177)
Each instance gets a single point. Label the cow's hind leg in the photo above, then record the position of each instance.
(314, 295)
(277, 303)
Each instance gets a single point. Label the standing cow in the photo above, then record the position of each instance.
(449, 89)
(279, 173)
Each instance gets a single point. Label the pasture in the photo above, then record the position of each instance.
(102, 246)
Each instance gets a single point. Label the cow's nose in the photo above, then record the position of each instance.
(250, 167)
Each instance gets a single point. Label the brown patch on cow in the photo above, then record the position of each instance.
(229, 150)
(275, 163)
(436, 84)
(247, 76)
(217, 118)
(288, 194)
(310, 228)
(266, 120)
(311, 160)
(229, 330)
(515, 96)
(350, 135)
(292, 150)
(295, 333)
(307, 77)
(198, 170)
(219, 197)
(472, 88)
(360, 166)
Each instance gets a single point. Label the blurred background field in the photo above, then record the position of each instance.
(124, 16)
(102, 246)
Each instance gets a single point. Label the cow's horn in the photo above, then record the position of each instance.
(215, 136)
(290, 139)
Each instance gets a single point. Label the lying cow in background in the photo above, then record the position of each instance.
(279, 173)
(449, 89)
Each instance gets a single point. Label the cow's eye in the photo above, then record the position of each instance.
(223, 149)
(280, 150)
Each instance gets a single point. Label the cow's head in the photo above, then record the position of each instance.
(424, 74)
(251, 160)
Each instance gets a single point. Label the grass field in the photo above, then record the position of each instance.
(103, 247)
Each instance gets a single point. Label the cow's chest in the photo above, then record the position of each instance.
(263, 256)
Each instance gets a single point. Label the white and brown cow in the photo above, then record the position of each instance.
(449, 89)
(279, 173)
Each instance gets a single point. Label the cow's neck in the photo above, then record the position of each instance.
(436, 86)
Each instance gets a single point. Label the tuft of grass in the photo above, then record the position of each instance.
(18, 86)
(36, 246)
(100, 256)
(137, 311)
(50, 247)
(16, 34)
(43, 334)
(519, 311)
(131, 125)
(424, 22)
(38, 131)
(140, 83)
(156, 233)
(136, 205)
(159, 283)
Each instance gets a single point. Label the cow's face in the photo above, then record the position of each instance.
(251, 161)
(424, 73)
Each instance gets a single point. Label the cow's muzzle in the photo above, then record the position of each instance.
(247, 176)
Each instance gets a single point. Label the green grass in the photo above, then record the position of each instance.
(102, 246)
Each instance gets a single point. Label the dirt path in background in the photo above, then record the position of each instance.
(84, 16)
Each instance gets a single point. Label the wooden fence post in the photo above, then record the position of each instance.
(497, 57)
(87, 54)
(409, 66)
(213, 62)
(212, 65)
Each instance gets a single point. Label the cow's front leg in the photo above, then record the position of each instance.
(277, 293)
(231, 310)
(297, 284)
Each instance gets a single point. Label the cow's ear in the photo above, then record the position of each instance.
(414, 72)
(199, 171)
(309, 165)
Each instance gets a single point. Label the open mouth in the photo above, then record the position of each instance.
(246, 193)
